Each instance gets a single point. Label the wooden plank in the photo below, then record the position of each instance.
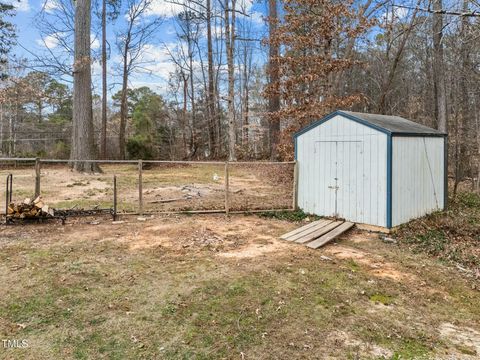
(331, 235)
(300, 229)
(320, 225)
(313, 235)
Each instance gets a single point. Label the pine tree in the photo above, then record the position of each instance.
(7, 35)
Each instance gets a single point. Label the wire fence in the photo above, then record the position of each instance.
(145, 187)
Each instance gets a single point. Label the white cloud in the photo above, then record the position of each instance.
(165, 8)
(401, 13)
(50, 5)
(257, 18)
(158, 61)
(49, 41)
(247, 7)
(217, 31)
(95, 43)
(395, 14)
(20, 5)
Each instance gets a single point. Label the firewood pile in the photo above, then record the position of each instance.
(29, 209)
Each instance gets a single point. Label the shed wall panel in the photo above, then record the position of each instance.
(356, 155)
(417, 177)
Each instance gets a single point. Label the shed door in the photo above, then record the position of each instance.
(341, 182)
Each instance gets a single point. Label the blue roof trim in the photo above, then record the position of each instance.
(341, 113)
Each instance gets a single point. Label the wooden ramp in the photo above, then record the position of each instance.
(318, 233)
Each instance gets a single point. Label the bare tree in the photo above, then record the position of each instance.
(114, 4)
(211, 95)
(103, 138)
(405, 33)
(189, 32)
(229, 8)
(438, 67)
(274, 96)
(139, 31)
(82, 140)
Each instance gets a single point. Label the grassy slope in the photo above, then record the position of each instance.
(452, 236)
(98, 299)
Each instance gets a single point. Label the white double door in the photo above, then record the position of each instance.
(341, 178)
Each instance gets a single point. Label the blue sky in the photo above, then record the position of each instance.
(157, 52)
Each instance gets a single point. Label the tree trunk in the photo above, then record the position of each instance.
(82, 141)
(193, 144)
(245, 112)
(123, 105)
(273, 99)
(103, 141)
(462, 133)
(213, 142)
(230, 45)
(438, 67)
(185, 120)
(477, 127)
(1, 127)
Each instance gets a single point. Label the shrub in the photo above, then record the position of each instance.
(138, 147)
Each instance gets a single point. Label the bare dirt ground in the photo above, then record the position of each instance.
(165, 187)
(210, 286)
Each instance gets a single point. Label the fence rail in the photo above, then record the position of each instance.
(147, 178)
(64, 161)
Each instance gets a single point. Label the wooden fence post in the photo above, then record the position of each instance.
(140, 187)
(227, 208)
(295, 186)
(37, 177)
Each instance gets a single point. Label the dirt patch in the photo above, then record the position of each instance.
(377, 265)
(230, 237)
(466, 340)
(359, 348)
(255, 250)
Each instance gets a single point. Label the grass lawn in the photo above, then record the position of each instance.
(210, 287)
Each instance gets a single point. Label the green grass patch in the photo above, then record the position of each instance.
(382, 299)
(288, 215)
(469, 200)
(432, 242)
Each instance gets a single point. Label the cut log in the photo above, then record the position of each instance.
(29, 209)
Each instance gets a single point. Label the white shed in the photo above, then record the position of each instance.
(372, 169)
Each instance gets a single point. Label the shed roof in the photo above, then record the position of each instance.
(393, 125)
